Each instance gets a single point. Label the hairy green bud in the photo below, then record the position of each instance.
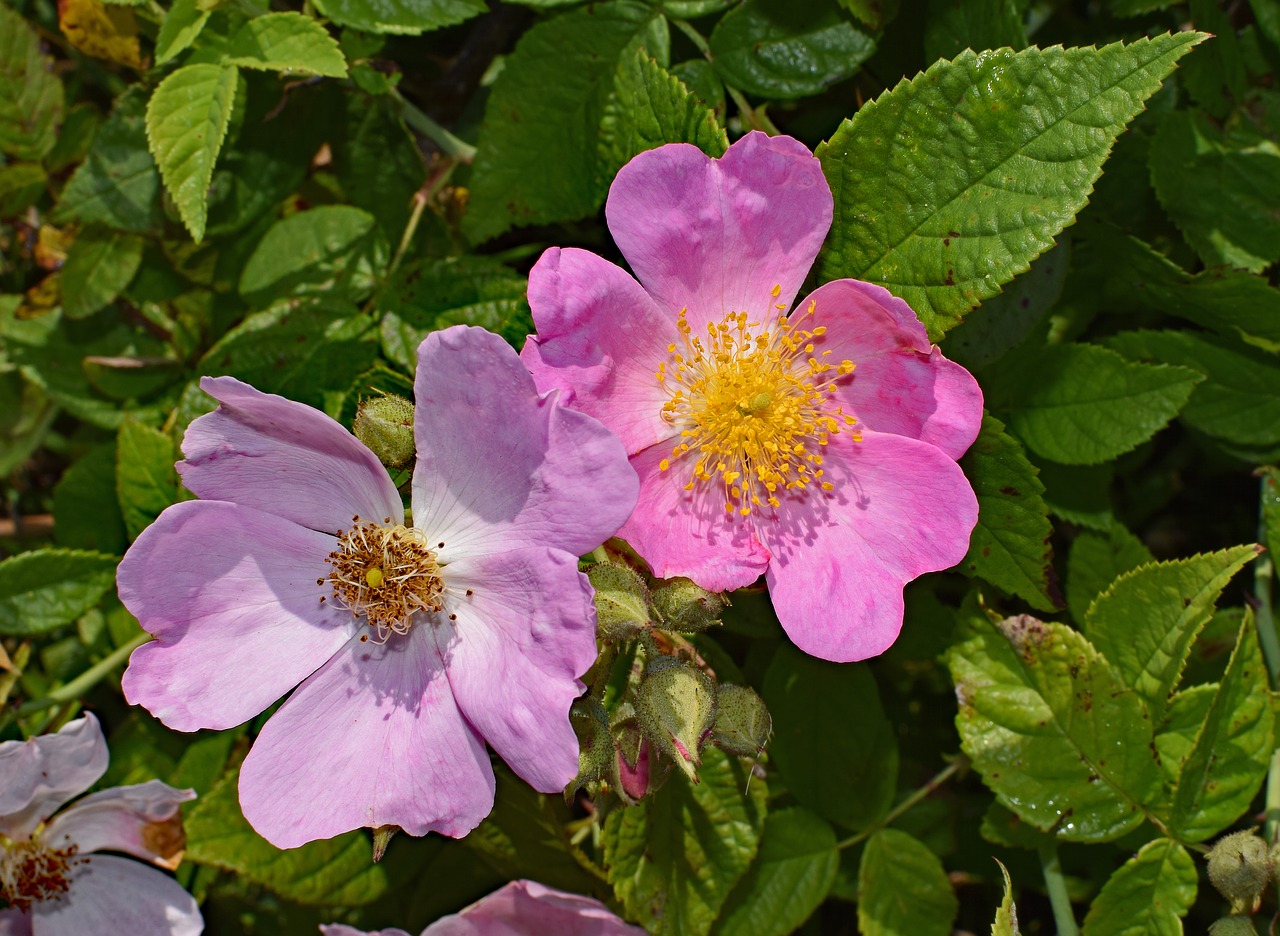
(685, 607)
(743, 724)
(676, 706)
(1240, 866)
(385, 425)
(622, 601)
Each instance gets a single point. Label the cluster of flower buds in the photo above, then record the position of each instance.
(385, 425)
(1241, 865)
(654, 702)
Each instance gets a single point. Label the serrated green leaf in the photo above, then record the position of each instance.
(100, 265)
(379, 164)
(1269, 508)
(787, 48)
(1052, 729)
(1010, 545)
(31, 95)
(287, 42)
(47, 588)
(809, 700)
(942, 212)
(187, 120)
(1006, 922)
(1183, 720)
(85, 513)
(1096, 560)
(407, 17)
(673, 859)
(652, 108)
(790, 877)
(903, 889)
(337, 871)
(181, 26)
(1081, 404)
(542, 155)
(951, 26)
(1228, 761)
(332, 250)
(1147, 896)
(146, 482)
(1147, 620)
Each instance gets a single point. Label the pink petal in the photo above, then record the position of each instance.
(230, 594)
(341, 929)
(527, 908)
(40, 774)
(718, 235)
(522, 639)
(13, 923)
(374, 738)
(600, 340)
(500, 466)
(288, 459)
(141, 819)
(118, 895)
(902, 383)
(689, 533)
(900, 508)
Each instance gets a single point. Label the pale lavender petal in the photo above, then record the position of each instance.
(600, 340)
(118, 895)
(141, 819)
(689, 533)
(900, 508)
(527, 908)
(286, 458)
(901, 382)
(230, 594)
(40, 774)
(523, 636)
(13, 923)
(341, 929)
(374, 738)
(500, 466)
(719, 235)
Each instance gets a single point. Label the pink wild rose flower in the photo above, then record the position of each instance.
(53, 874)
(414, 643)
(816, 446)
(519, 908)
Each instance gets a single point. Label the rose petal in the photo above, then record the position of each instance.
(689, 533)
(900, 508)
(141, 819)
(341, 929)
(288, 459)
(40, 774)
(230, 594)
(13, 923)
(501, 467)
(374, 738)
(523, 637)
(600, 340)
(719, 235)
(126, 896)
(527, 908)
(902, 383)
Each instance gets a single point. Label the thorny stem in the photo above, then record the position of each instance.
(958, 764)
(87, 680)
(1056, 886)
(449, 144)
(751, 118)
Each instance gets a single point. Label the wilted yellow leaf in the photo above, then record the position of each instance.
(106, 32)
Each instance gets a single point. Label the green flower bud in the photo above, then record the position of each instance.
(622, 601)
(385, 425)
(1233, 926)
(633, 763)
(685, 607)
(743, 724)
(1240, 867)
(676, 705)
(595, 745)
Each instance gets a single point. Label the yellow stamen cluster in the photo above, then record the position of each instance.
(386, 573)
(753, 406)
(30, 872)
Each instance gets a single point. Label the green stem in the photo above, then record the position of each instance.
(86, 680)
(751, 118)
(449, 144)
(1056, 885)
(1262, 573)
(959, 763)
(419, 205)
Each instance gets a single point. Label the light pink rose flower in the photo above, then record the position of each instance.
(52, 874)
(414, 645)
(817, 448)
(520, 908)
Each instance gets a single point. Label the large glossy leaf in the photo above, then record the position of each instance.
(1147, 896)
(31, 95)
(47, 588)
(903, 889)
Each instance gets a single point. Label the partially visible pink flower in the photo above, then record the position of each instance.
(520, 908)
(52, 872)
(817, 448)
(414, 643)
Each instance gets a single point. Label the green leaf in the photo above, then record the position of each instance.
(31, 95)
(85, 512)
(1147, 620)
(810, 701)
(903, 889)
(1269, 508)
(332, 872)
(1080, 404)
(951, 26)
(187, 120)
(1006, 923)
(942, 212)
(1147, 896)
(652, 107)
(542, 153)
(21, 185)
(287, 42)
(1052, 729)
(408, 17)
(99, 266)
(1216, 78)
(47, 588)
(673, 859)
(379, 164)
(790, 877)
(1228, 761)
(1096, 560)
(146, 482)
(1010, 545)
(330, 251)
(181, 26)
(787, 48)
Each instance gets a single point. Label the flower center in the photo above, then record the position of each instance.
(753, 407)
(31, 872)
(385, 572)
